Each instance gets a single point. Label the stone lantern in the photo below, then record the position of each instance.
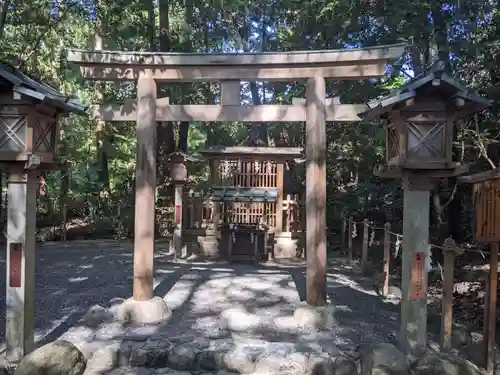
(29, 132)
(178, 161)
(419, 119)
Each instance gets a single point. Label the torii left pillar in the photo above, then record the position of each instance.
(20, 292)
(143, 308)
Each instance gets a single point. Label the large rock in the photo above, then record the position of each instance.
(56, 358)
(103, 360)
(434, 363)
(182, 357)
(211, 358)
(344, 366)
(383, 359)
(95, 316)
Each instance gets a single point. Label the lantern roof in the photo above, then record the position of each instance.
(14, 79)
(181, 156)
(432, 82)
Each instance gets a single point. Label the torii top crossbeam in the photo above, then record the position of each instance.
(340, 64)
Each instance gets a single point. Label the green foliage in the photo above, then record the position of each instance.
(34, 36)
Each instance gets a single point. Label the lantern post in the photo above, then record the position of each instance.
(419, 122)
(178, 161)
(29, 133)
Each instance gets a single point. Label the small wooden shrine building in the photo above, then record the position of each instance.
(248, 202)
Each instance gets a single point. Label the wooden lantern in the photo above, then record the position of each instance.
(178, 166)
(178, 173)
(419, 120)
(29, 112)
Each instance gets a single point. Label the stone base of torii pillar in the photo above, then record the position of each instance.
(152, 311)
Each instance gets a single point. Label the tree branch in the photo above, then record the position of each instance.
(482, 147)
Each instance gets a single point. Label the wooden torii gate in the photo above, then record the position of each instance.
(229, 70)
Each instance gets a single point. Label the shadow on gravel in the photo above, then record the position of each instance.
(69, 280)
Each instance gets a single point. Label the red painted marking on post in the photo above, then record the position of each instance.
(417, 292)
(177, 214)
(15, 269)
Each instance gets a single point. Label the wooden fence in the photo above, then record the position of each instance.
(197, 215)
(450, 250)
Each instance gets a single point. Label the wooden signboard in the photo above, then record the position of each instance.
(417, 291)
(487, 211)
(15, 264)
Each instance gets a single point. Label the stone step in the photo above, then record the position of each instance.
(251, 356)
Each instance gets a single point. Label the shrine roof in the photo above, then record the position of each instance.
(16, 80)
(432, 82)
(247, 152)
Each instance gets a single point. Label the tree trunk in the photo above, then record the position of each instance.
(101, 136)
(166, 139)
(3, 16)
(257, 131)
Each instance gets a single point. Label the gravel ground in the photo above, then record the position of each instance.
(70, 279)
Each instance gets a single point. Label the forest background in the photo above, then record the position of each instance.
(464, 34)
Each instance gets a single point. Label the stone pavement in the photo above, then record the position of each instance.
(225, 317)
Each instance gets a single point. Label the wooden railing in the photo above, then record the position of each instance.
(393, 244)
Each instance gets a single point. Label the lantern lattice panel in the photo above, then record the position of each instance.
(426, 139)
(393, 142)
(12, 132)
(43, 135)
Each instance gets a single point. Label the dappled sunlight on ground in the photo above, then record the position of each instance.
(209, 300)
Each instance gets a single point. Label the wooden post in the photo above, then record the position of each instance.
(364, 255)
(215, 214)
(193, 205)
(145, 189)
(65, 182)
(349, 239)
(316, 191)
(387, 258)
(64, 232)
(279, 201)
(449, 253)
(490, 306)
(20, 293)
(120, 223)
(416, 210)
(178, 221)
(343, 234)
